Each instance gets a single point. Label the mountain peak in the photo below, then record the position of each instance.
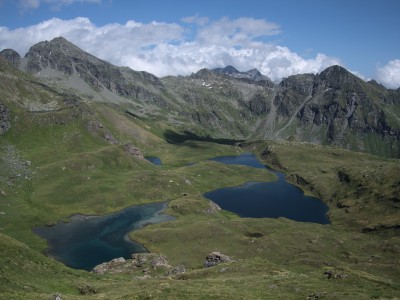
(57, 43)
(11, 56)
(229, 70)
(252, 75)
(63, 42)
(336, 76)
(60, 39)
(335, 70)
(254, 72)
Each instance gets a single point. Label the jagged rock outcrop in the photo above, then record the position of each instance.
(144, 265)
(215, 258)
(11, 56)
(117, 265)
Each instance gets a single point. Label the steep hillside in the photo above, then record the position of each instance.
(336, 107)
(63, 153)
(333, 107)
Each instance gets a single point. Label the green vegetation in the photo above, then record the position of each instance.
(362, 190)
(70, 157)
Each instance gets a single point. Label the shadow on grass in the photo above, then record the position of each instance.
(173, 137)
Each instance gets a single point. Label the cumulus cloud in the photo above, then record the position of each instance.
(389, 75)
(167, 48)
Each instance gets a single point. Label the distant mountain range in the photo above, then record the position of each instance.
(332, 107)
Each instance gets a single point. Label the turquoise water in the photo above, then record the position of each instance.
(87, 241)
(267, 199)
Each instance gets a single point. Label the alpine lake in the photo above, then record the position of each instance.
(86, 241)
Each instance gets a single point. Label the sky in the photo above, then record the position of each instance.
(178, 37)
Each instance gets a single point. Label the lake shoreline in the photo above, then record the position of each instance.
(78, 220)
(268, 199)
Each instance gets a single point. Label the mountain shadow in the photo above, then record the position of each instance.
(173, 137)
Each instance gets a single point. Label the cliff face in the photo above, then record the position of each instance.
(333, 107)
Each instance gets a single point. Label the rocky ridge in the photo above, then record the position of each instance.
(333, 107)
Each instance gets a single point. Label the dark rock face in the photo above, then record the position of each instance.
(62, 56)
(50, 54)
(341, 107)
(292, 93)
(336, 77)
(258, 104)
(11, 56)
(4, 119)
(301, 84)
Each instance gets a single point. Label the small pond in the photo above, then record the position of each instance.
(154, 160)
(87, 241)
(267, 199)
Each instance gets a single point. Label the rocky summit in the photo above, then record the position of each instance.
(334, 107)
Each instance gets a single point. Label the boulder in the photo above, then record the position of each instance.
(160, 261)
(139, 259)
(110, 266)
(215, 258)
(177, 270)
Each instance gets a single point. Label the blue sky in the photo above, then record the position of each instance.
(279, 37)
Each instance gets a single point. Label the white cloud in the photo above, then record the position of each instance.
(239, 32)
(166, 48)
(389, 75)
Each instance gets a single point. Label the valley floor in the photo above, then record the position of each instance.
(271, 258)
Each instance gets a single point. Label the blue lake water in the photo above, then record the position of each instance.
(267, 199)
(87, 241)
(154, 160)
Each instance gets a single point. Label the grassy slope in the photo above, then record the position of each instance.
(73, 171)
(287, 261)
(361, 190)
